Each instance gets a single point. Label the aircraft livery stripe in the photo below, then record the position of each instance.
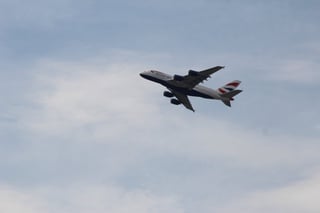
(222, 91)
(235, 84)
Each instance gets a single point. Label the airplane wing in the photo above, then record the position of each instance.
(183, 99)
(194, 77)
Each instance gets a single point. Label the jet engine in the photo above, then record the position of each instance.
(178, 77)
(168, 94)
(175, 101)
(193, 73)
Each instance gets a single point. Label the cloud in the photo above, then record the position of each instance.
(244, 147)
(107, 102)
(83, 94)
(96, 120)
(80, 198)
(15, 201)
(300, 66)
(301, 196)
(45, 14)
(298, 71)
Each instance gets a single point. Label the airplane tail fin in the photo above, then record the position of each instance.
(229, 87)
(228, 91)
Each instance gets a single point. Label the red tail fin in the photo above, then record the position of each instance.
(229, 87)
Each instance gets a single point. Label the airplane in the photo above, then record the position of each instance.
(180, 87)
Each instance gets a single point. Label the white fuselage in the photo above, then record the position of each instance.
(166, 80)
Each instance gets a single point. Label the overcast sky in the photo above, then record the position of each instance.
(81, 131)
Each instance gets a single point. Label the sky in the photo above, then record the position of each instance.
(81, 131)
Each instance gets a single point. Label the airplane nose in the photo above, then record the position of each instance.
(142, 75)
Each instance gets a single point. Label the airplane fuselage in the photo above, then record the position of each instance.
(166, 80)
(180, 87)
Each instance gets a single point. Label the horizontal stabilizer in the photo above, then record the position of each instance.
(228, 97)
(231, 94)
(227, 102)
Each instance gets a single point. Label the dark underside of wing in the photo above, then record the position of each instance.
(183, 99)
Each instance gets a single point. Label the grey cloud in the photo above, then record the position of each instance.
(84, 198)
(299, 71)
(77, 111)
(88, 127)
(300, 196)
(35, 13)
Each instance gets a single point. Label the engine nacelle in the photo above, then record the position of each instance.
(178, 77)
(168, 94)
(175, 101)
(193, 73)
